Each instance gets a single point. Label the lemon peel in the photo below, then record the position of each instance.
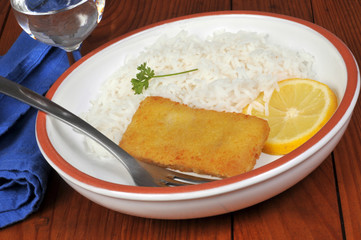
(296, 112)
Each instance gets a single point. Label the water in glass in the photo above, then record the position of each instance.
(61, 23)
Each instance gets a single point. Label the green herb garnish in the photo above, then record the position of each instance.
(145, 74)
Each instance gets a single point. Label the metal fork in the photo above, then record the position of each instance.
(143, 174)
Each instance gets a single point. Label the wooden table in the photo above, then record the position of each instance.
(325, 205)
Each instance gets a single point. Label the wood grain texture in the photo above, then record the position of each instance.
(348, 168)
(300, 212)
(343, 19)
(309, 210)
(66, 214)
(10, 32)
(4, 11)
(123, 16)
(296, 8)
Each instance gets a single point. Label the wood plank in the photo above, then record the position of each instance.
(10, 33)
(65, 214)
(347, 26)
(121, 17)
(308, 210)
(4, 11)
(296, 8)
(348, 169)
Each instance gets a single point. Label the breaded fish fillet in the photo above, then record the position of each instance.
(174, 135)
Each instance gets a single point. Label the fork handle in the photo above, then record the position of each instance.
(140, 176)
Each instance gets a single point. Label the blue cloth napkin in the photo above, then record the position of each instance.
(23, 170)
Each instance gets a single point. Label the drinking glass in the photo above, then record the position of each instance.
(61, 23)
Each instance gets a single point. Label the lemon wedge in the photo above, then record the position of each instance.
(295, 113)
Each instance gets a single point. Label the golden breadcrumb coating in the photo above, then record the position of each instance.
(174, 135)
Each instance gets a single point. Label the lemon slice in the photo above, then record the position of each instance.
(295, 113)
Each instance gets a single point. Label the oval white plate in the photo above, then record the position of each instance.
(109, 184)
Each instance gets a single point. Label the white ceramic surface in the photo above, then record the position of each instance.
(109, 184)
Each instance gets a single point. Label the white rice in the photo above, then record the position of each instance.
(233, 69)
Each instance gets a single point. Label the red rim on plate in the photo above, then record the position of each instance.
(64, 166)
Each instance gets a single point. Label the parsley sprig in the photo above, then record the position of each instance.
(145, 74)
